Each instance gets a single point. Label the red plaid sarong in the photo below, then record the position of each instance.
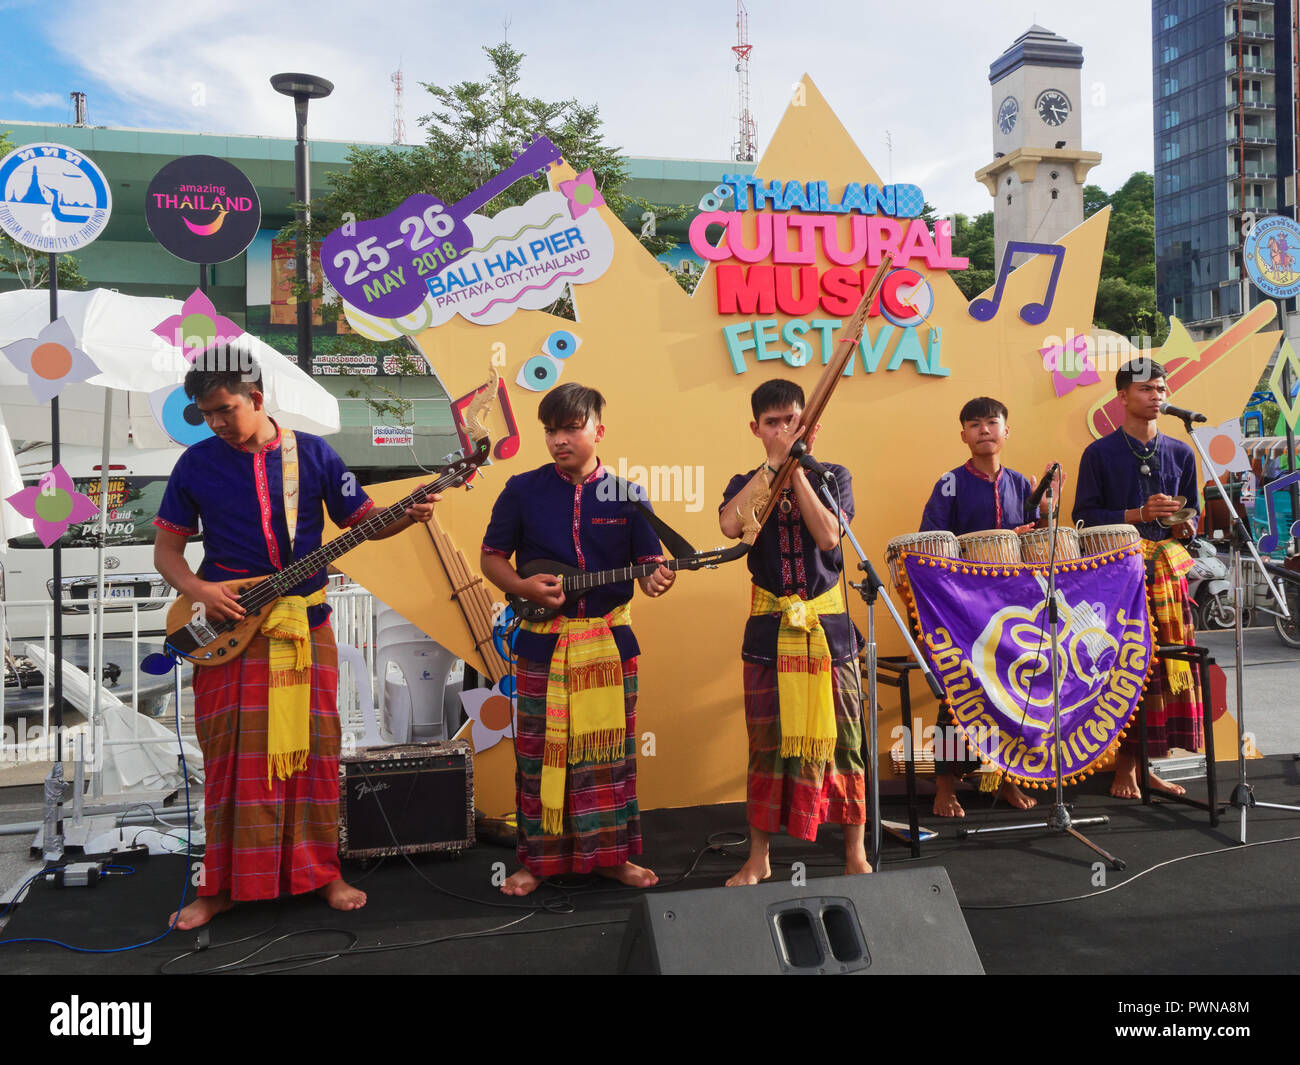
(602, 825)
(791, 792)
(1171, 720)
(264, 840)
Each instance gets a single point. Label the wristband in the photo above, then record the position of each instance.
(769, 469)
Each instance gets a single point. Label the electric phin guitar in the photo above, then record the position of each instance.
(200, 642)
(576, 583)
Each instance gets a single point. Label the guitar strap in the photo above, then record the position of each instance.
(289, 475)
(677, 544)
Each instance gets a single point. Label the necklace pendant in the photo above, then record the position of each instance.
(786, 505)
(1145, 470)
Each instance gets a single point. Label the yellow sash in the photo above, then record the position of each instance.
(803, 668)
(288, 715)
(585, 715)
(1171, 562)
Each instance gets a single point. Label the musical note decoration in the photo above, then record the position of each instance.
(51, 360)
(53, 505)
(1269, 541)
(1071, 365)
(1225, 446)
(983, 310)
(508, 446)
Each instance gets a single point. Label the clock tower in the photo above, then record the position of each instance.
(1038, 170)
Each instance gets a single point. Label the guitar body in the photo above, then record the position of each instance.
(526, 609)
(214, 643)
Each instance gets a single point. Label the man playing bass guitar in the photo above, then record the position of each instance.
(267, 720)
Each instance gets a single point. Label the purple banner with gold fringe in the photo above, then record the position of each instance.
(986, 634)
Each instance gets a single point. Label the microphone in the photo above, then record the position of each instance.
(799, 450)
(1179, 412)
(1032, 504)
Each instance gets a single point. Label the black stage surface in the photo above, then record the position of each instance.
(1233, 910)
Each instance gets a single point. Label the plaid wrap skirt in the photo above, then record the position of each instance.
(265, 840)
(602, 826)
(793, 793)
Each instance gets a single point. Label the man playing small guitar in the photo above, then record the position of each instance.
(267, 719)
(577, 677)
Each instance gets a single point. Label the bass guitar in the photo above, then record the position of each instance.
(192, 637)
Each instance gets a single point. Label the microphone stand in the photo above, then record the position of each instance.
(1059, 819)
(1243, 795)
(869, 588)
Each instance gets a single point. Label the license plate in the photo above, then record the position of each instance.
(90, 592)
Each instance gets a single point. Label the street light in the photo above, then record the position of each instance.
(302, 87)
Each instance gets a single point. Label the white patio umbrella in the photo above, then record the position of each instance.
(116, 331)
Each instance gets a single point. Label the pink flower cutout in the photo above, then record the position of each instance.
(1071, 365)
(198, 327)
(53, 505)
(51, 360)
(582, 193)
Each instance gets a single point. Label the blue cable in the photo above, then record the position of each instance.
(189, 838)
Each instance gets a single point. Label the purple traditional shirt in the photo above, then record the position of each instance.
(965, 501)
(238, 497)
(1111, 479)
(785, 560)
(591, 526)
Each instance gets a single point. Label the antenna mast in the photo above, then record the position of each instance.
(399, 117)
(746, 146)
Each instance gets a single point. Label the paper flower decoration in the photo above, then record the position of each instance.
(197, 327)
(491, 713)
(1223, 444)
(582, 193)
(1071, 365)
(53, 505)
(51, 361)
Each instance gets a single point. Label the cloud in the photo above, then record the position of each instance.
(41, 99)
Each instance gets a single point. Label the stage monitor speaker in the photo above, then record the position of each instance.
(886, 924)
(407, 799)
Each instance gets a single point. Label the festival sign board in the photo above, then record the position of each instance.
(202, 209)
(52, 198)
(1270, 254)
(677, 387)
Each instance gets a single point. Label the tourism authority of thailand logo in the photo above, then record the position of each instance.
(52, 198)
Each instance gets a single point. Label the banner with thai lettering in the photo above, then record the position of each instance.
(986, 634)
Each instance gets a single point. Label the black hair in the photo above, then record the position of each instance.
(228, 366)
(1143, 369)
(983, 407)
(775, 394)
(570, 404)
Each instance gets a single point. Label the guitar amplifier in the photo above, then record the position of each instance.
(406, 799)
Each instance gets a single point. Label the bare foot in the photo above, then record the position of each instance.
(753, 871)
(1166, 787)
(1011, 794)
(521, 883)
(341, 895)
(629, 874)
(856, 863)
(201, 911)
(945, 797)
(1125, 785)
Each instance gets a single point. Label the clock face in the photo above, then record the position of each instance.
(1008, 112)
(1053, 106)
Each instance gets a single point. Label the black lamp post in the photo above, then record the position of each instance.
(302, 87)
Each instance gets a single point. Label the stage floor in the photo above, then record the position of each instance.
(1233, 910)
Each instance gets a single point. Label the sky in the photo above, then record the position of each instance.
(662, 74)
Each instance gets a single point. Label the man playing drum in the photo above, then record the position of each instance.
(1132, 476)
(981, 494)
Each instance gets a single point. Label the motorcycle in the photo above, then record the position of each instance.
(1209, 586)
(1287, 578)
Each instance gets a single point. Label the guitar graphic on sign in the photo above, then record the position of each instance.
(381, 266)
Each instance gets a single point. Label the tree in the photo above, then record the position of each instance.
(31, 268)
(974, 241)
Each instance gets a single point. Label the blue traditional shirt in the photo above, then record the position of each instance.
(785, 560)
(965, 501)
(238, 498)
(591, 526)
(1111, 481)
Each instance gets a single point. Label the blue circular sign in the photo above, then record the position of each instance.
(1271, 256)
(52, 198)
